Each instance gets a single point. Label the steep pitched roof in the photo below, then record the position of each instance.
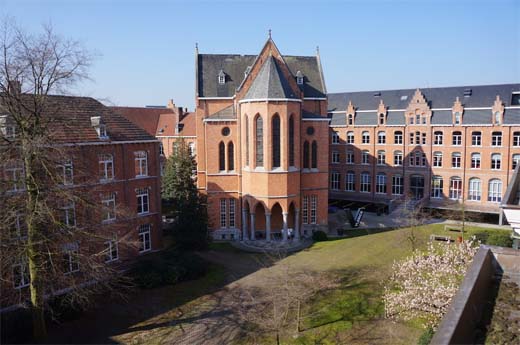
(439, 97)
(69, 119)
(235, 67)
(167, 123)
(227, 113)
(146, 118)
(270, 83)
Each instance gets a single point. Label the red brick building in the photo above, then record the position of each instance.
(112, 159)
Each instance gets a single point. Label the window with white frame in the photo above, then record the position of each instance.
(17, 225)
(475, 161)
(398, 137)
(515, 160)
(7, 129)
(365, 137)
(143, 205)
(335, 157)
(102, 131)
(398, 158)
(381, 137)
(438, 138)
(412, 136)
(498, 118)
(112, 250)
(314, 208)
(475, 189)
(496, 161)
(437, 187)
(364, 157)
(423, 138)
(334, 180)
(350, 181)
(108, 202)
(417, 158)
(381, 157)
(476, 138)
(381, 119)
(145, 240)
(68, 215)
(457, 118)
(455, 188)
(161, 149)
(437, 159)
(335, 137)
(495, 190)
(223, 213)
(456, 138)
(365, 183)
(21, 276)
(66, 172)
(71, 258)
(193, 150)
(397, 185)
(417, 119)
(14, 176)
(516, 138)
(231, 213)
(350, 119)
(305, 210)
(411, 120)
(350, 157)
(496, 139)
(350, 137)
(141, 163)
(455, 160)
(106, 167)
(381, 183)
(417, 138)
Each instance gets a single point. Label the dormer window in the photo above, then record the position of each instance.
(299, 78)
(381, 119)
(221, 77)
(99, 126)
(498, 118)
(350, 119)
(515, 98)
(457, 118)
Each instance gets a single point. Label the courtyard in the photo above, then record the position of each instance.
(203, 311)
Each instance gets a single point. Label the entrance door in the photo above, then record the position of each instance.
(417, 187)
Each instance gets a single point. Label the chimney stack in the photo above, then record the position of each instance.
(171, 105)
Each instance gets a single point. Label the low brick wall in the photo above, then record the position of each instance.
(465, 312)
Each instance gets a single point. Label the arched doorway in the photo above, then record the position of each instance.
(259, 221)
(276, 221)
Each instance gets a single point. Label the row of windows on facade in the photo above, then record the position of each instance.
(418, 159)
(15, 173)
(71, 256)
(67, 213)
(419, 119)
(455, 188)
(419, 138)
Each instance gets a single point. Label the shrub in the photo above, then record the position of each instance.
(482, 236)
(426, 337)
(319, 236)
(502, 239)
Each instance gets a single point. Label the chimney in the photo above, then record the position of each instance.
(14, 87)
(180, 113)
(171, 105)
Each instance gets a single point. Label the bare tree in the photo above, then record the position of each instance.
(44, 215)
(278, 303)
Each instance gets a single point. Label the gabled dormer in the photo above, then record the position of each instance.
(221, 77)
(457, 112)
(381, 113)
(418, 111)
(351, 114)
(99, 125)
(498, 112)
(299, 78)
(7, 127)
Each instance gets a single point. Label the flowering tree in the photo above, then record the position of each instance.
(423, 285)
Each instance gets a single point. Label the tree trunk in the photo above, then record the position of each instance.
(33, 256)
(298, 312)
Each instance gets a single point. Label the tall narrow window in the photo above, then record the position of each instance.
(476, 138)
(496, 139)
(437, 159)
(398, 137)
(350, 181)
(335, 137)
(475, 189)
(496, 161)
(350, 137)
(457, 138)
(276, 141)
(381, 137)
(143, 205)
(365, 182)
(108, 202)
(259, 142)
(516, 138)
(291, 141)
(334, 180)
(365, 137)
(495, 190)
(514, 161)
(223, 212)
(314, 155)
(398, 158)
(397, 185)
(106, 167)
(314, 208)
(231, 213)
(437, 186)
(66, 172)
(455, 188)
(475, 161)
(381, 183)
(306, 164)
(305, 210)
(247, 140)
(112, 250)
(231, 156)
(437, 138)
(145, 242)
(221, 156)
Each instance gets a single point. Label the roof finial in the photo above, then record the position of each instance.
(317, 50)
(196, 48)
(269, 33)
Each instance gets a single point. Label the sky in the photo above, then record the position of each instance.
(145, 50)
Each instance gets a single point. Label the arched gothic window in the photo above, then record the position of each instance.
(247, 139)
(221, 156)
(231, 156)
(314, 155)
(291, 141)
(259, 140)
(306, 155)
(276, 141)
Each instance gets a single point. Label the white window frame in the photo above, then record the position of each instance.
(305, 210)
(349, 157)
(516, 138)
(350, 181)
(495, 190)
(496, 139)
(69, 214)
(398, 158)
(106, 162)
(232, 204)
(335, 157)
(143, 200)
(23, 274)
(515, 160)
(380, 183)
(365, 186)
(496, 161)
(397, 185)
(438, 138)
(476, 138)
(475, 189)
(437, 187)
(141, 163)
(335, 137)
(456, 160)
(437, 159)
(112, 248)
(381, 157)
(145, 238)
(456, 188)
(365, 138)
(365, 157)
(67, 172)
(72, 258)
(398, 137)
(314, 207)
(334, 180)
(476, 160)
(351, 137)
(108, 202)
(223, 213)
(381, 137)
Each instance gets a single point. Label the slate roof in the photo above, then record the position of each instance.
(439, 97)
(224, 114)
(235, 66)
(69, 119)
(270, 82)
(308, 115)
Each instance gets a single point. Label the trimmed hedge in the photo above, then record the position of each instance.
(495, 238)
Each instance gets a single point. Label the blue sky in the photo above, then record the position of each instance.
(146, 48)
